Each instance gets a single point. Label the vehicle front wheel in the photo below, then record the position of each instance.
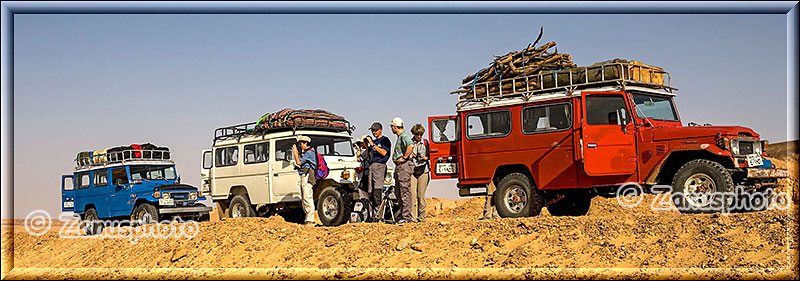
(240, 207)
(90, 222)
(702, 186)
(332, 206)
(144, 214)
(516, 197)
(573, 204)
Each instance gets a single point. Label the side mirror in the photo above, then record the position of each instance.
(623, 116)
(178, 180)
(118, 182)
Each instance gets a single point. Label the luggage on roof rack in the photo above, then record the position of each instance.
(287, 119)
(118, 154)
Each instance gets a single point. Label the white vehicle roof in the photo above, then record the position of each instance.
(281, 134)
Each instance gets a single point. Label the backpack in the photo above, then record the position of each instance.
(362, 211)
(321, 169)
(419, 169)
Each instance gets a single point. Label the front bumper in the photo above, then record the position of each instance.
(184, 210)
(760, 173)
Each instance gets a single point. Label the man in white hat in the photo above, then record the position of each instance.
(403, 169)
(308, 165)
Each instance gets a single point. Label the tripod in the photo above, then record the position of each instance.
(388, 203)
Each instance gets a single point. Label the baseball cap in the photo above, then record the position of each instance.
(304, 138)
(376, 126)
(397, 122)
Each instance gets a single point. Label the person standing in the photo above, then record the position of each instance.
(364, 158)
(403, 169)
(421, 172)
(379, 149)
(306, 165)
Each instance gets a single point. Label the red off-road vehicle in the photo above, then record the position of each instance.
(584, 130)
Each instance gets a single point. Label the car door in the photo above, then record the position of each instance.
(68, 193)
(119, 192)
(445, 141)
(608, 144)
(284, 181)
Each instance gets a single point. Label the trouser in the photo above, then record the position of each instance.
(307, 182)
(377, 175)
(402, 174)
(489, 209)
(363, 185)
(418, 187)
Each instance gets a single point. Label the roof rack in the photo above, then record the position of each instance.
(122, 157)
(252, 129)
(569, 80)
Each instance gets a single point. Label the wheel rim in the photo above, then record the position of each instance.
(330, 207)
(516, 198)
(237, 211)
(699, 189)
(141, 216)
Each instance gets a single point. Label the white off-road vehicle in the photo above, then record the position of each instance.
(251, 173)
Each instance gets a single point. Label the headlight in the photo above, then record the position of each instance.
(192, 195)
(735, 147)
(156, 194)
(165, 195)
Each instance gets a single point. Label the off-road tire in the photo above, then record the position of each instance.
(333, 206)
(90, 222)
(517, 186)
(573, 204)
(703, 170)
(142, 212)
(240, 207)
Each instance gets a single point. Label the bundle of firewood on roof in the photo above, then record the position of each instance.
(530, 61)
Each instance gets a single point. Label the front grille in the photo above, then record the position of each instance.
(745, 147)
(177, 196)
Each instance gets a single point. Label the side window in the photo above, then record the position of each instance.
(283, 149)
(207, 160)
(605, 110)
(119, 176)
(488, 124)
(101, 178)
(546, 118)
(83, 180)
(226, 156)
(256, 153)
(444, 130)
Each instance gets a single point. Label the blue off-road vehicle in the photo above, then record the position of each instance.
(136, 184)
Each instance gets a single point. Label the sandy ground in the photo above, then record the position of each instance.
(610, 242)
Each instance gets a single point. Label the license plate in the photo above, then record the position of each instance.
(163, 201)
(69, 204)
(754, 160)
(445, 168)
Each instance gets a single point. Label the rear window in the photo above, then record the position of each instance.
(491, 124)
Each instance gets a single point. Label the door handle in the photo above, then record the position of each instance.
(591, 145)
(112, 195)
(434, 150)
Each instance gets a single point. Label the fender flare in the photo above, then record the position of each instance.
(710, 148)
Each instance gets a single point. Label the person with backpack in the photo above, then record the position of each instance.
(307, 168)
(421, 172)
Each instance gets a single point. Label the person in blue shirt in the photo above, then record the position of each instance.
(379, 149)
(306, 165)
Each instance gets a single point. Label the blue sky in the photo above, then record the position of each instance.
(86, 82)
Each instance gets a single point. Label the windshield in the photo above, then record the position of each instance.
(654, 107)
(153, 172)
(332, 146)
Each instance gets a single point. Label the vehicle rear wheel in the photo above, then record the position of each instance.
(332, 206)
(573, 204)
(144, 214)
(702, 186)
(516, 197)
(240, 207)
(90, 222)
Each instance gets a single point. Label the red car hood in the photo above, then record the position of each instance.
(673, 133)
